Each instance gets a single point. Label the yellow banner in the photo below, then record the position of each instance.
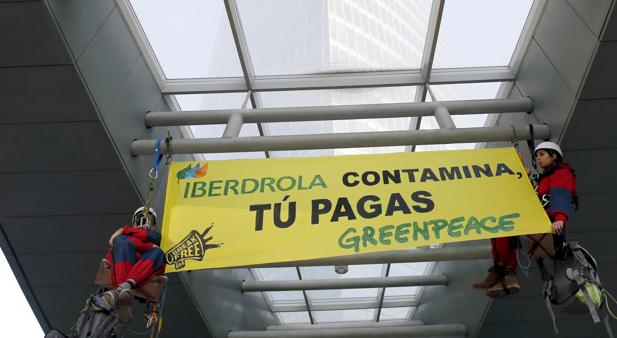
(247, 212)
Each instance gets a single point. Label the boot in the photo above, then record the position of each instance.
(507, 285)
(489, 281)
(125, 305)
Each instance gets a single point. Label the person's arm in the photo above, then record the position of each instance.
(149, 235)
(114, 235)
(561, 190)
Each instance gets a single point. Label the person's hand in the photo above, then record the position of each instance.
(114, 235)
(557, 227)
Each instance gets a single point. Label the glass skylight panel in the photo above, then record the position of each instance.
(465, 91)
(190, 38)
(293, 317)
(338, 97)
(344, 316)
(321, 36)
(218, 101)
(395, 313)
(480, 33)
(355, 271)
(271, 274)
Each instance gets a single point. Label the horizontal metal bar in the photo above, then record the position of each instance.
(396, 256)
(470, 75)
(345, 325)
(444, 330)
(347, 283)
(361, 79)
(342, 305)
(205, 86)
(343, 112)
(341, 140)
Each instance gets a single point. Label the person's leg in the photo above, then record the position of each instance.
(152, 263)
(493, 275)
(504, 249)
(124, 257)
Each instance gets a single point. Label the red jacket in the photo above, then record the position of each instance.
(557, 185)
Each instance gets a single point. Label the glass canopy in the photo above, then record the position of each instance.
(223, 54)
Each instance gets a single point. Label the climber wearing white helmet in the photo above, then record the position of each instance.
(135, 259)
(556, 189)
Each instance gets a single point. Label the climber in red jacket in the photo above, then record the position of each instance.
(556, 189)
(135, 259)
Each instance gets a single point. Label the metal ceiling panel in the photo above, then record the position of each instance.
(107, 61)
(55, 147)
(43, 94)
(558, 27)
(83, 192)
(38, 41)
(80, 20)
(592, 12)
(91, 230)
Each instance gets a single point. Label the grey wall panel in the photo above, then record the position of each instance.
(65, 269)
(125, 119)
(601, 79)
(591, 205)
(91, 230)
(599, 243)
(79, 20)
(83, 192)
(56, 147)
(558, 27)
(108, 60)
(223, 305)
(63, 300)
(38, 41)
(43, 94)
(553, 99)
(589, 178)
(525, 309)
(593, 13)
(568, 328)
(594, 120)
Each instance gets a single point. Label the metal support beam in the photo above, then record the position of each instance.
(396, 256)
(263, 83)
(234, 125)
(343, 325)
(347, 283)
(444, 120)
(341, 140)
(316, 305)
(445, 330)
(344, 112)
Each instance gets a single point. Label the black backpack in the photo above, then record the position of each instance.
(575, 286)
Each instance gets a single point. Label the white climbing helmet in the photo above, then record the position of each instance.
(549, 145)
(141, 219)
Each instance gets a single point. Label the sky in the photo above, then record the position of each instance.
(195, 29)
(16, 317)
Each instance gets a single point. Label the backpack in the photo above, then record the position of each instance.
(96, 320)
(575, 286)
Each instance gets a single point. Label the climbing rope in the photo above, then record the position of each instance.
(606, 299)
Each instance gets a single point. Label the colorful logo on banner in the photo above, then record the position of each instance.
(192, 247)
(276, 210)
